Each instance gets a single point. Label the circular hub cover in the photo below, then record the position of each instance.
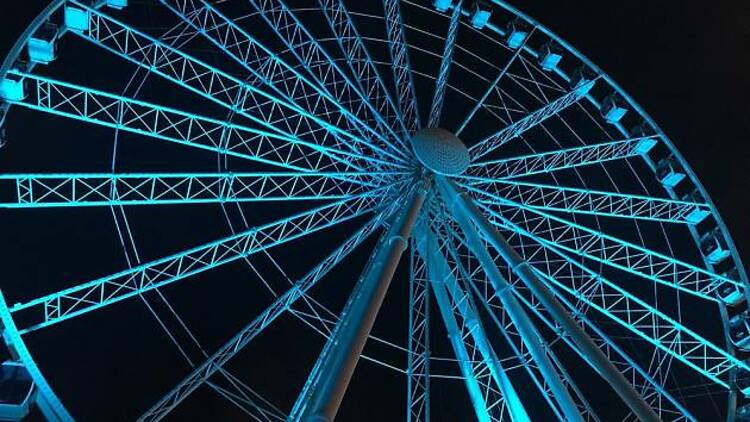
(440, 151)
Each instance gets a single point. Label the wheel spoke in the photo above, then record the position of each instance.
(466, 218)
(268, 69)
(75, 190)
(308, 51)
(641, 379)
(262, 108)
(168, 124)
(283, 303)
(477, 279)
(366, 72)
(558, 160)
(329, 379)
(637, 316)
(402, 75)
(445, 66)
(624, 363)
(575, 200)
(609, 250)
(492, 142)
(464, 326)
(89, 296)
(486, 400)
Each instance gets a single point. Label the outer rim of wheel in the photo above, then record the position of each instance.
(732, 400)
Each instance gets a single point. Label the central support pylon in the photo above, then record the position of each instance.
(325, 387)
(467, 215)
(532, 338)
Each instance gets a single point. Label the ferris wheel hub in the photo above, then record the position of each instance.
(440, 151)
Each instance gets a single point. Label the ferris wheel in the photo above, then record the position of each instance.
(443, 197)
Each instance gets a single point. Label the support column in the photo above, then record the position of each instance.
(442, 280)
(465, 210)
(325, 388)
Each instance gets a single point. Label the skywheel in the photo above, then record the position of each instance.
(184, 181)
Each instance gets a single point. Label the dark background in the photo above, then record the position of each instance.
(685, 62)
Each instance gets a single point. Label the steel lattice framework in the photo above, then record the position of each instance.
(576, 252)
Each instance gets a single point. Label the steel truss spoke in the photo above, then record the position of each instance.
(464, 325)
(632, 313)
(600, 203)
(557, 160)
(86, 297)
(471, 271)
(402, 75)
(75, 190)
(632, 371)
(418, 369)
(467, 220)
(609, 250)
(374, 108)
(492, 142)
(329, 378)
(165, 123)
(283, 303)
(196, 76)
(485, 397)
(445, 67)
(648, 387)
(267, 68)
(366, 72)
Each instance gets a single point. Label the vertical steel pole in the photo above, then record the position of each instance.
(528, 331)
(463, 206)
(442, 280)
(325, 388)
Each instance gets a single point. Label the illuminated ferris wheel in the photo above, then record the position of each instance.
(563, 262)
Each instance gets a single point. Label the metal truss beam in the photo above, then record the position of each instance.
(475, 277)
(418, 359)
(328, 380)
(531, 336)
(457, 305)
(445, 67)
(86, 297)
(485, 398)
(492, 142)
(264, 109)
(609, 250)
(371, 106)
(647, 385)
(402, 75)
(266, 68)
(636, 315)
(168, 124)
(363, 67)
(467, 212)
(282, 304)
(575, 200)
(76, 190)
(546, 162)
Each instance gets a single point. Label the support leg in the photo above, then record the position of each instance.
(531, 336)
(442, 280)
(325, 388)
(467, 212)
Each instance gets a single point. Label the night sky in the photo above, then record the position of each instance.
(685, 62)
